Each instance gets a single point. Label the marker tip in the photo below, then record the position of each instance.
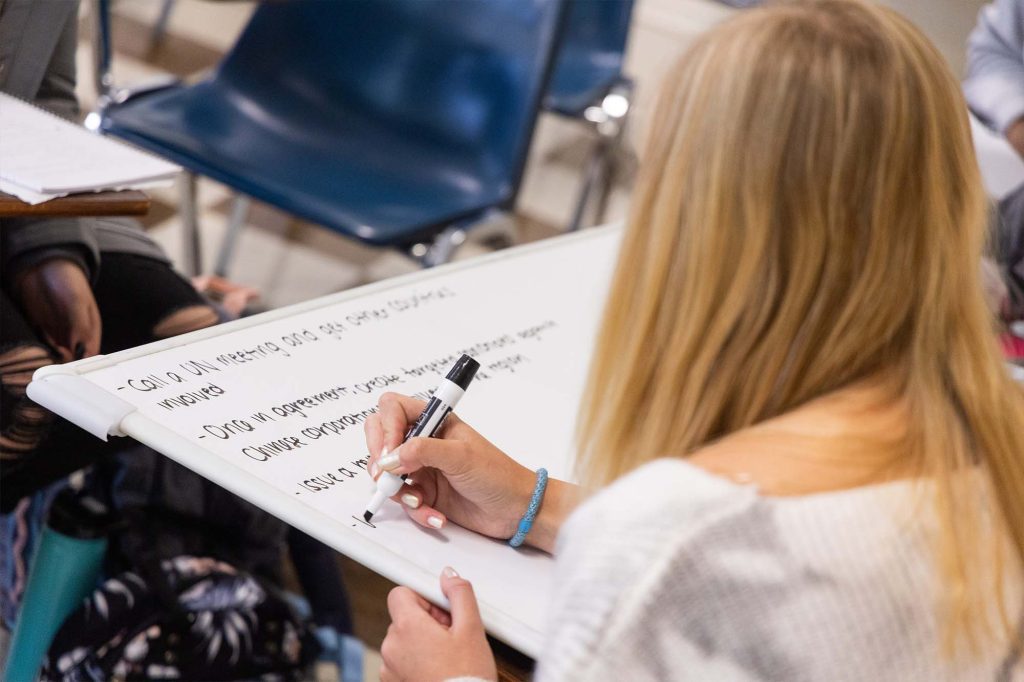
(367, 515)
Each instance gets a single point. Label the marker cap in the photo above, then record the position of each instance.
(463, 371)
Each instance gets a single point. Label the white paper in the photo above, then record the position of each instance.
(26, 195)
(45, 155)
(30, 197)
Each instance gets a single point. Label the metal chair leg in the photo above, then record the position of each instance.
(156, 36)
(193, 261)
(590, 177)
(101, 50)
(496, 229)
(239, 212)
(609, 119)
(444, 246)
(610, 173)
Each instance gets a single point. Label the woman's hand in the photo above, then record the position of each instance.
(460, 476)
(426, 643)
(58, 300)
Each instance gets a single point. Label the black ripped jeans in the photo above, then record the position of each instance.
(168, 510)
(134, 294)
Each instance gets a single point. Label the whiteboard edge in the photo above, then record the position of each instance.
(88, 406)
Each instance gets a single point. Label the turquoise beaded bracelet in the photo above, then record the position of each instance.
(531, 511)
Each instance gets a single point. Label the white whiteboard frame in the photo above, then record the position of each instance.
(67, 402)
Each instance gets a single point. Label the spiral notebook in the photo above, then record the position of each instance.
(43, 156)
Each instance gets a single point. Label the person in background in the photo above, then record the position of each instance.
(801, 451)
(994, 89)
(69, 288)
(74, 287)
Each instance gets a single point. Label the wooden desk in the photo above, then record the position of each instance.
(127, 202)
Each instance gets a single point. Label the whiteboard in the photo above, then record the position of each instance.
(271, 407)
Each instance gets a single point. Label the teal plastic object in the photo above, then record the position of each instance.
(64, 572)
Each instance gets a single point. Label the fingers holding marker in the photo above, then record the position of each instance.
(412, 498)
(448, 456)
(428, 517)
(373, 466)
(390, 460)
(384, 430)
(373, 430)
(397, 412)
(392, 418)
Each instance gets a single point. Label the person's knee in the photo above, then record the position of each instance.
(185, 320)
(24, 422)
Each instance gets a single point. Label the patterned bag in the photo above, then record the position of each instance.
(186, 618)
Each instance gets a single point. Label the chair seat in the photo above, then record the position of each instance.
(343, 170)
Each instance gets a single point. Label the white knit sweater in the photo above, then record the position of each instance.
(675, 574)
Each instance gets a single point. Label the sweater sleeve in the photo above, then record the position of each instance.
(994, 86)
(611, 556)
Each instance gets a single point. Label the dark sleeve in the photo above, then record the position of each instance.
(27, 241)
(57, 89)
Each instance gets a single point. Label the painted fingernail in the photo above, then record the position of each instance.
(435, 521)
(450, 572)
(410, 500)
(388, 460)
(373, 469)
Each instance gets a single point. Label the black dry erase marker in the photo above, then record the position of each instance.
(448, 394)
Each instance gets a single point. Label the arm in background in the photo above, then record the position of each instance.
(994, 86)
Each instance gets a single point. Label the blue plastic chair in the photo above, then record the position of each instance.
(588, 85)
(394, 122)
(589, 61)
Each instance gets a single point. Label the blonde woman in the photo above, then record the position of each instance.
(803, 457)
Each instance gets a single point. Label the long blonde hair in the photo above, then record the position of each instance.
(810, 214)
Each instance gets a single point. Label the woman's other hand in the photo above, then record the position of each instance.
(425, 643)
(58, 300)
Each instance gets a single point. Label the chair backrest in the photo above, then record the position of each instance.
(465, 75)
(592, 45)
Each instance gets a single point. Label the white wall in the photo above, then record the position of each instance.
(947, 23)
